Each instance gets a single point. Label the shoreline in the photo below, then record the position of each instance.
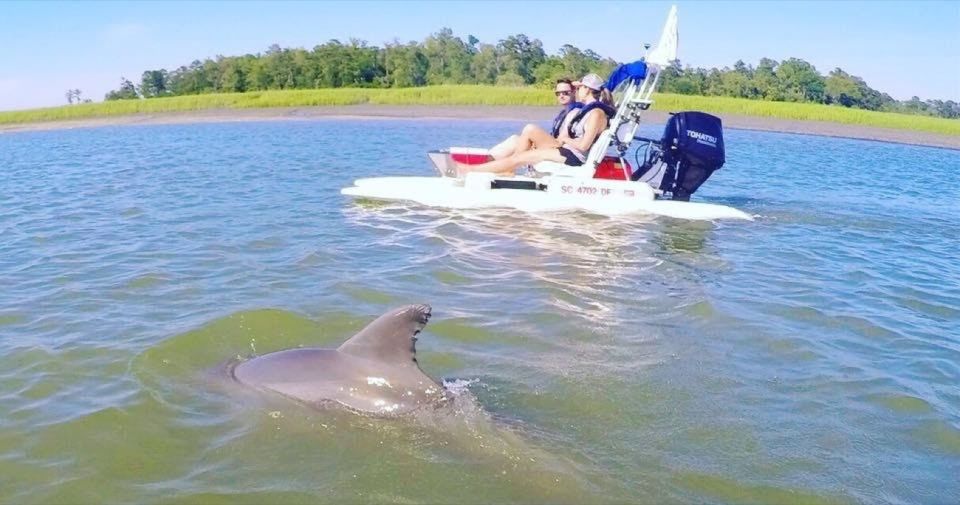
(481, 112)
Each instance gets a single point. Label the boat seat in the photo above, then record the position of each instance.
(562, 170)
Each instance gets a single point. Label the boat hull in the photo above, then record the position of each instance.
(549, 194)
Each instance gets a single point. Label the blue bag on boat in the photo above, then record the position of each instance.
(635, 71)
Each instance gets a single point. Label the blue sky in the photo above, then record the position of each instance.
(902, 48)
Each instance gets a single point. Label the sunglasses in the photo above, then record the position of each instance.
(563, 93)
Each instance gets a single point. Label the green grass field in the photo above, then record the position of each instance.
(473, 95)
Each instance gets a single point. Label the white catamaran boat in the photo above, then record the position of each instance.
(690, 150)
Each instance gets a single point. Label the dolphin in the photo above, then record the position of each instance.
(374, 372)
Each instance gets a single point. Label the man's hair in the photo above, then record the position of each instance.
(565, 81)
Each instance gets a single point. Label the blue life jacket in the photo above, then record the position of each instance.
(608, 110)
(558, 121)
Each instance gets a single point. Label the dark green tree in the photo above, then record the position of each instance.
(520, 56)
(153, 83)
(766, 81)
(800, 81)
(233, 77)
(126, 91)
(449, 58)
(73, 95)
(485, 66)
(405, 65)
(841, 89)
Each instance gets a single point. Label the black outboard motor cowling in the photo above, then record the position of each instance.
(692, 147)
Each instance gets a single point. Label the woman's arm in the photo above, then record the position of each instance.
(591, 130)
(564, 135)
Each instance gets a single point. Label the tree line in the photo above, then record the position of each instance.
(443, 58)
(795, 80)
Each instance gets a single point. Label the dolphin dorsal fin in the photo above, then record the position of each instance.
(391, 337)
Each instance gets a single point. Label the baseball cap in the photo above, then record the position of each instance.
(592, 81)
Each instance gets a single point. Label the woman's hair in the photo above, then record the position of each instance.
(606, 97)
(603, 95)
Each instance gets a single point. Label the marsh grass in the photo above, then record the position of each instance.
(473, 95)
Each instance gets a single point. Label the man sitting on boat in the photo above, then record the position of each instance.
(565, 92)
(570, 146)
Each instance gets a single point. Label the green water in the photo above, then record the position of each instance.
(808, 357)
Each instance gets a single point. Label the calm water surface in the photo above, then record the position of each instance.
(810, 356)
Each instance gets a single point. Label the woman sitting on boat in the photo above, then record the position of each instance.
(571, 146)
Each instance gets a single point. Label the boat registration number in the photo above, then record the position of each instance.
(590, 190)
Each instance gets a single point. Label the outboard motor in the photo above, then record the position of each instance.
(690, 151)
